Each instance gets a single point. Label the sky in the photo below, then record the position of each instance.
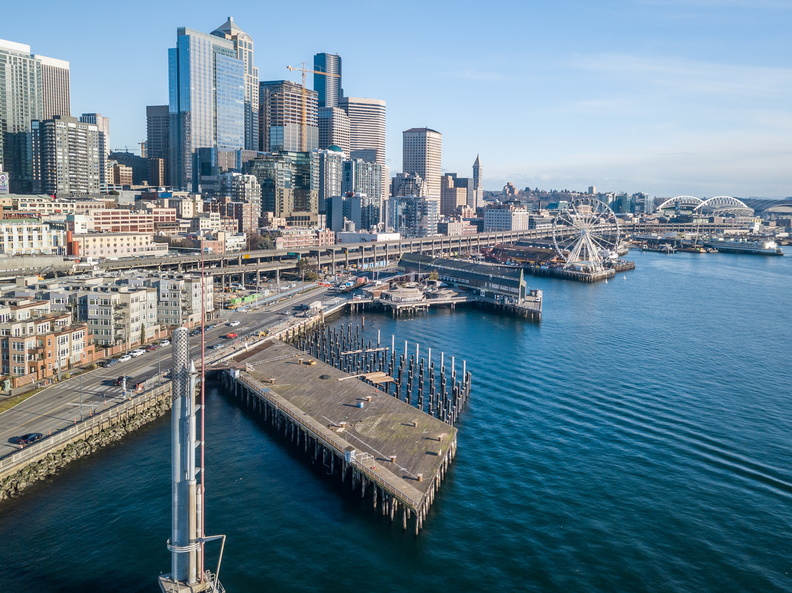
(668, 97)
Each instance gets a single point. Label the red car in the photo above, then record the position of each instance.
(230, 336)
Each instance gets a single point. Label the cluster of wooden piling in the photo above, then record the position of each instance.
(438, 391)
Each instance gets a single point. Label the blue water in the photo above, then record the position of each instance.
(637, 440)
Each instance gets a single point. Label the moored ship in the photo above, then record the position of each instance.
(749, 247)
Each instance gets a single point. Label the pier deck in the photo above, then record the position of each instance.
(401, 451)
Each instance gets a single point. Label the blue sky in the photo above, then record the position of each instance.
(669, 97)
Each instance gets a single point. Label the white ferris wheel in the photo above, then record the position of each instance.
(586, 234)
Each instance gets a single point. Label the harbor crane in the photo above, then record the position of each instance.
(303, 115)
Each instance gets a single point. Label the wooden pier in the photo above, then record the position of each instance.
(380, 446)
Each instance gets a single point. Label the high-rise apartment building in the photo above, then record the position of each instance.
(207, 101)
(362, 177)
(243, 43)
(328, 87)
(334, 129)
(103, 126)
(281, 117)
(408, 184)
(32, 88)
(288, 183)
(362, 211)
(413, 216)
(331, 166)
(66, 156)
(422, 155)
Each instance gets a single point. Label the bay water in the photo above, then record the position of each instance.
(636, 440)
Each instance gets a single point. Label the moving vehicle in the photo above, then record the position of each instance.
(231, 336)
(164, 342)
(120, 381)
(29, 438)
(233, 323)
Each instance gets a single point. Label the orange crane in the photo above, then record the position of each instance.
(303, 115)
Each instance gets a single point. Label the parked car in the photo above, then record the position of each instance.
(233, 323)
(231, 336)
(120, 381)
(215, 346)
(30, 438)
(164, 342)
(195, 332)
(124, 358)
(150, 347)
(136, 352)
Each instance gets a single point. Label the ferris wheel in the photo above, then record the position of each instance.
(586, 234)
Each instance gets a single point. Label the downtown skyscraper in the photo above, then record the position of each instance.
(207, 90)
(367, 132)
(243, 43)
(422, 155)
(32, 88)
(328, 87)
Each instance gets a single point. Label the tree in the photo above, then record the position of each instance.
(308, 271)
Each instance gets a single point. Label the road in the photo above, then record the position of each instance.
(63, 403)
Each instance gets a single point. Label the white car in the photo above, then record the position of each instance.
(233, 324)
(137, 352)
(124, 358)
(164, 342)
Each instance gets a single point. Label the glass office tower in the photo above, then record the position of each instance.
(206, 101)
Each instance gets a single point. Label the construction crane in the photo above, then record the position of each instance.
(303, 116)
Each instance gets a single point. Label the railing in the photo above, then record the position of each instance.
(64, 435)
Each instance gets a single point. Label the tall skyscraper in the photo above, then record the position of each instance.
(367, 132)
(207, 101)
(422, 154)
(334, 129)
(281, 116)
(66, 156)
(32, 88)
(243, 43)
(328, 87)
(366, 128)
(157, 133)
(55, 87)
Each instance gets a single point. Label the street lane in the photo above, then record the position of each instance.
(63, 403)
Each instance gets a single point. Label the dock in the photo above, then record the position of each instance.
(376, 444)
